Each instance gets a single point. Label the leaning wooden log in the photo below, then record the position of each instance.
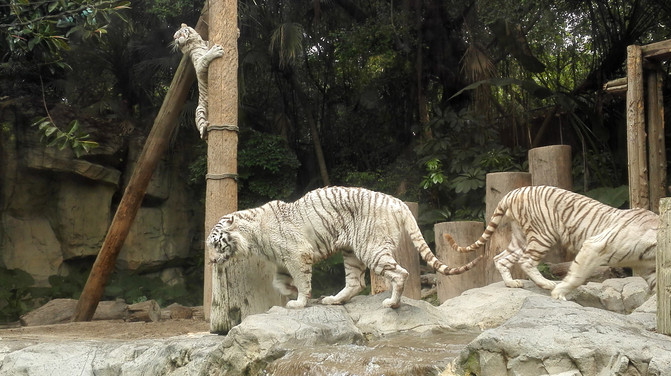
(59, 311)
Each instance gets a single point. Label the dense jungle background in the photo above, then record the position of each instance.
(416, 98)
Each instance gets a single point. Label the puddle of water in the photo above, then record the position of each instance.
(398, 354)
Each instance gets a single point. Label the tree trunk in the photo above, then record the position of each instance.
(314, 132)
(243, 287)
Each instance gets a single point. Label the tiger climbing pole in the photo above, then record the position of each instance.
(152, 152)
(239, 287)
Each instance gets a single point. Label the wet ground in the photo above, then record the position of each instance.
(398, 354)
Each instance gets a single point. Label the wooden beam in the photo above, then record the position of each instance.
(657, 149)
(636, 138)
(617, 86)
(657, 51)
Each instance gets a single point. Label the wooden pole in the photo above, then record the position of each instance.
(664, 268)
(408, 258)
(657, 151)
(154, 148)
(464, 232)
(243, 287)
(636, 139)
(498, 184)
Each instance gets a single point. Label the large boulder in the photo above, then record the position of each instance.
(557, 337)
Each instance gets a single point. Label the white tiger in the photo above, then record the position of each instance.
(190, 43)
(543, 216)
(366, 226)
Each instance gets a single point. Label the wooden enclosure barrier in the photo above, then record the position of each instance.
(643, 88)
(465, 233)
(664, 268)
(408, 258)
(498, 184)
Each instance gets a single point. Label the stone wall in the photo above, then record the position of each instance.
(57, 208)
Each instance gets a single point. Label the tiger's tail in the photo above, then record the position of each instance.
(428, 256)
(484, 238)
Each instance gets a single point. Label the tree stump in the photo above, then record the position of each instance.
(147, 311)
(464, 233)
(498, 184)
(551, 165)
(408, 257)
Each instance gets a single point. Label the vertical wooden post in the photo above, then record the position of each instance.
(664, 268)
(465, 233)
(152, 152)
(551, 165)
(636, 139)
(498, 184)
(242, 287)
(408, 258)
(657, 149)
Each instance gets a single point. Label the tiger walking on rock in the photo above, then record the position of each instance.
(544, 216)
(366, 226)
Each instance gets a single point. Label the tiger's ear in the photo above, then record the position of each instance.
(228, 221)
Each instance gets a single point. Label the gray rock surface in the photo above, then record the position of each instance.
(556, 337)
(525, 333)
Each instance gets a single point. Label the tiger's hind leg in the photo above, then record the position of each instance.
(354, 280)
(390, 269)
(284, 283)
(505, 260)
(589, 257)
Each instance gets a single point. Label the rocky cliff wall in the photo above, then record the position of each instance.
(56, 208)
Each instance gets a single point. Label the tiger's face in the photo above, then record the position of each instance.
(184, 37)
(224, 241)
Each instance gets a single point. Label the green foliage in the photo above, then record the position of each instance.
(45, 28)
(617, 197)
(464, 148)
(328, 276)
(76, 139)
(267, 168)
(16, 293)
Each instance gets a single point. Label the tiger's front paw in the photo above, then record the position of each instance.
(293, 304)
(515, 283)
(390, 303)
(330, 300)
(560, 292)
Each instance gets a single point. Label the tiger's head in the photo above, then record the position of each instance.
(186, 38)
(225, 241)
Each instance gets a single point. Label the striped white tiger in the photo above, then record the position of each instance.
(544, 216)
(366, 226)
(190, 43)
